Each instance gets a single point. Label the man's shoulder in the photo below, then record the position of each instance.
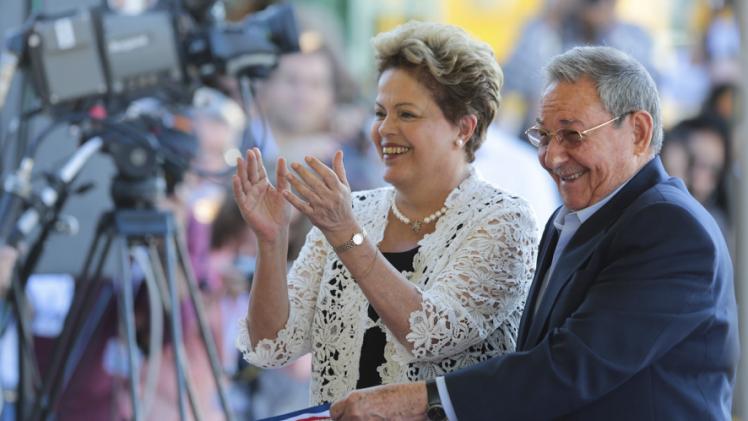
(666, 207)
(669, 194)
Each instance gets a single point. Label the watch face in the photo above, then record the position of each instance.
(436, 413)
(358, 238)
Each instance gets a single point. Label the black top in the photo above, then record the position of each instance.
(372, 349)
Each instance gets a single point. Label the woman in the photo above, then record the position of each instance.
(405, 282)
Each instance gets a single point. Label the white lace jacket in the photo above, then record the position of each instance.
(473, 273)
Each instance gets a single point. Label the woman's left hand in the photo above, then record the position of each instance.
(324, 194)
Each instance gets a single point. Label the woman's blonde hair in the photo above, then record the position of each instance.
(461, 72)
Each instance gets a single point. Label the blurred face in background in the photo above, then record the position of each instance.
(597, 15)
(299, 96)
(708, 161)
(215, 138)
(675, 159)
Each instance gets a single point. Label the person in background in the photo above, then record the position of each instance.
(707, 141)
(724, 101)
(675, 155)
(562, 25)
(509, 163)
(405, 282)
(312, 104)
(632, 312)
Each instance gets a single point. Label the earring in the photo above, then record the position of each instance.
(459, 142)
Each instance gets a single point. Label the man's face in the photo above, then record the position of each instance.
(604, 160)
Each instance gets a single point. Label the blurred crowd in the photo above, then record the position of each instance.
(700, 86)
(312, 106)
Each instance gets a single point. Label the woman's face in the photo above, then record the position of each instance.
(708, 161)
(675, 158)
(413, 138)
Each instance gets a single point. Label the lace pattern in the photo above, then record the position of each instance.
(473, 273)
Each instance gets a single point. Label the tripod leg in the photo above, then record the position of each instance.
(207, 337)
(176, 324)
(29, 377)
(126, 304)
(158, 271)
(82, 303)
(156, 331)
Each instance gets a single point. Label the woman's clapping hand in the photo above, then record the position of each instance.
(324, 194)
(262, 205)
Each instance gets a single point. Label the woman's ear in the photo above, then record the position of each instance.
(643, 130)
(467, 125)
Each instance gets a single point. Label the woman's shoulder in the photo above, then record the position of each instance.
(493, 199)
(373, 200)
(378, 192)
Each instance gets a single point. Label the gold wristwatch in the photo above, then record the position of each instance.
(356, 240)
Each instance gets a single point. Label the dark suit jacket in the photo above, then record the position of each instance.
(638, 321)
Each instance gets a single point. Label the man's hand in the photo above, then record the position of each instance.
(390, 402)
(8, 257)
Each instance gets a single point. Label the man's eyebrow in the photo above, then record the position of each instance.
(565, 122)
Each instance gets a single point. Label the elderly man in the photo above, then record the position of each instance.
(632, 313)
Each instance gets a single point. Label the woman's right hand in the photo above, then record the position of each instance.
(262, 205)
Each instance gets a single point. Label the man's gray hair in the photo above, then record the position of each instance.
(623, 84)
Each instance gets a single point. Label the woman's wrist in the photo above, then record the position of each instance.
(338, 236)
(279, 241)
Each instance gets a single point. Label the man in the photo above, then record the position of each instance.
(632, 313)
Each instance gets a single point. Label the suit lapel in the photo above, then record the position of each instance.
(568, 263)
(545, 256)
(581, 246)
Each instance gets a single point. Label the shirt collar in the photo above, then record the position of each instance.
(584, 214)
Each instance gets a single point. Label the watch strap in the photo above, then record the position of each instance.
(434, 409)
(361, 235)
(432, 393)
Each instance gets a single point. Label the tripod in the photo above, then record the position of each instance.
(130, 229)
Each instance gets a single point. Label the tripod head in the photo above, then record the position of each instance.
(152, 147)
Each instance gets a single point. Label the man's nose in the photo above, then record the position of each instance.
(555, 153)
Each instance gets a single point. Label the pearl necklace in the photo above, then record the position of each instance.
(416, 225)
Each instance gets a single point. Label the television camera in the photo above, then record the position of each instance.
(125, 81)
(90, 65)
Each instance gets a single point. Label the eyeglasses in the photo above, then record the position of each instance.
(570, 138)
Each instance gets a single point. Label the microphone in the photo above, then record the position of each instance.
(49, 195)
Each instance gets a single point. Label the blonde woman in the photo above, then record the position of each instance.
(405, 282)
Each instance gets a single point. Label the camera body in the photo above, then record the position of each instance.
(95, 53)
(90, 66)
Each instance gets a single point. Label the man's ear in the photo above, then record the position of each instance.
(467, 125)
(643, 130)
